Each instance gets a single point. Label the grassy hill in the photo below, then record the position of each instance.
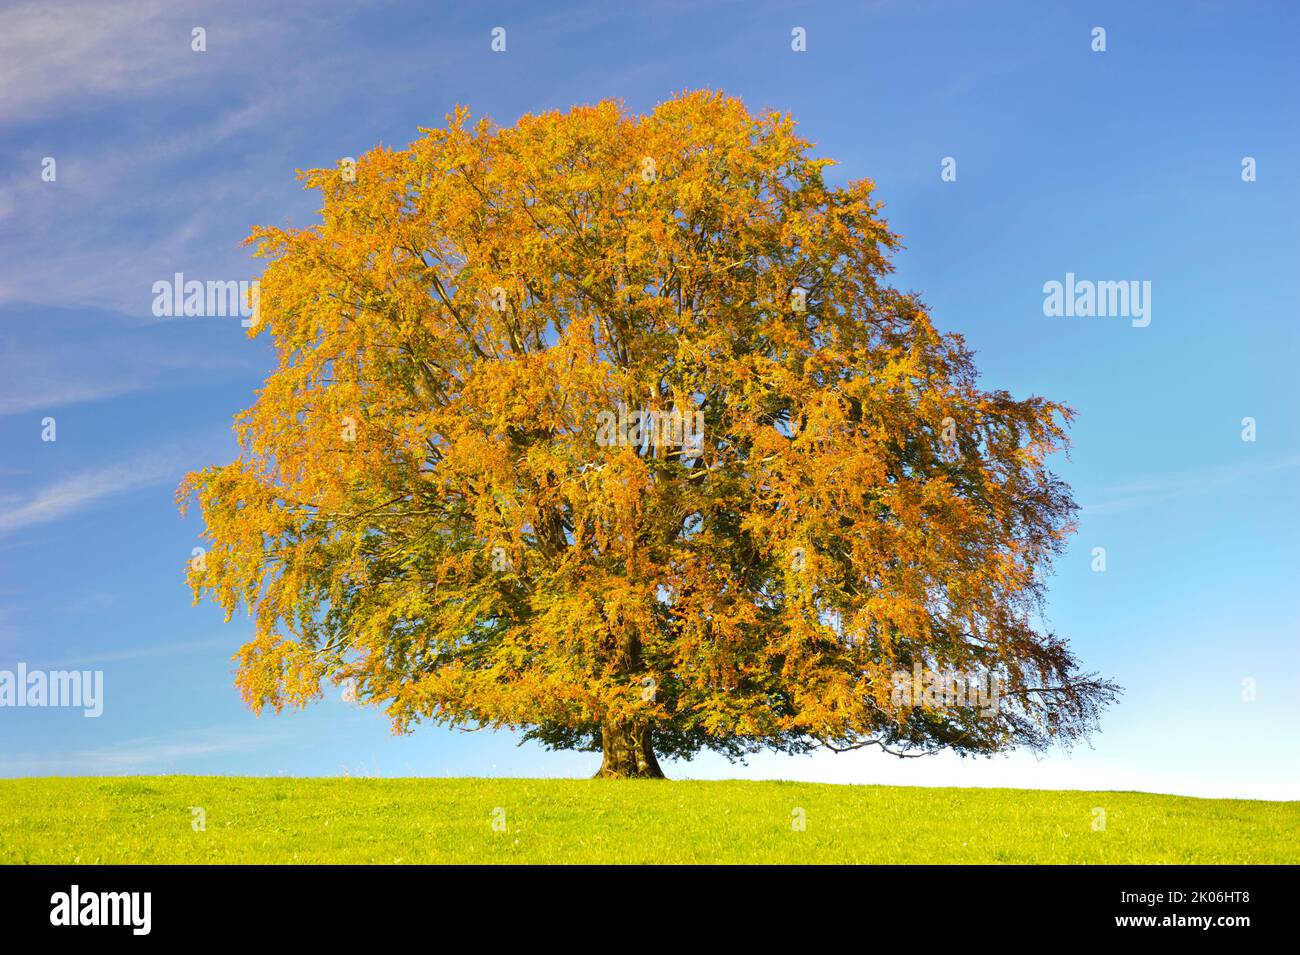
(151, 820)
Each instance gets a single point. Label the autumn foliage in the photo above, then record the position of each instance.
(427, 507)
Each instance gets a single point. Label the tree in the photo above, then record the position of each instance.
(607, 428)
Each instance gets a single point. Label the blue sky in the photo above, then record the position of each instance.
(1116, 165)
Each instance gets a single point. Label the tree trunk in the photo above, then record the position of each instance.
(627, 752)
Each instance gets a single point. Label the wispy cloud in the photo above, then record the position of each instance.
(57, 55)
(55, 357)
(154, 651)
(73, 494)
(145, 753)
(1148, 492)
(163, 110)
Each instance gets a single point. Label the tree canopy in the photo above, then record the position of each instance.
(609, 428)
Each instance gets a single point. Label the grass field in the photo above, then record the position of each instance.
(152, 819)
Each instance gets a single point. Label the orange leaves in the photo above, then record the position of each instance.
(425, 504)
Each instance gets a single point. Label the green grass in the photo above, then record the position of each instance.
(148, 819)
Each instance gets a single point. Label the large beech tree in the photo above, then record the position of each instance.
(425, 508)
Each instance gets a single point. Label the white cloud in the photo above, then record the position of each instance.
(1132, 495)
(135, 198)
(56, 56)
(154, 651)
(80, 491)
(60, 358)
(144, 753)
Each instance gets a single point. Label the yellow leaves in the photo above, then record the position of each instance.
(277, 673)
(423, 502)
